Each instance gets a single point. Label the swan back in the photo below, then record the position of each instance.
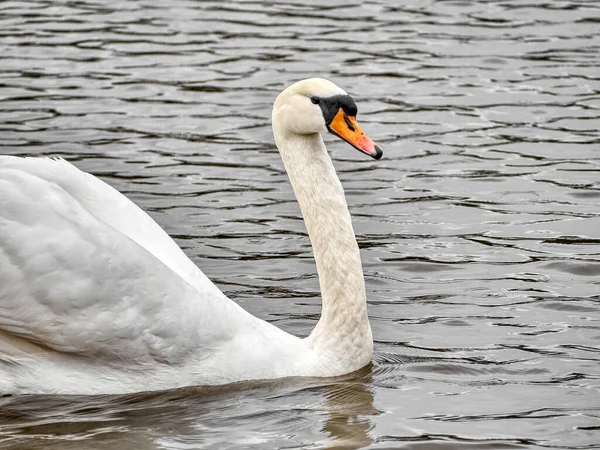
(90, 304)
(110, 207)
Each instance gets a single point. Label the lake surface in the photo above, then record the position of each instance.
(479, 228)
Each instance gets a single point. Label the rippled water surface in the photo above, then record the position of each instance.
(479, 229)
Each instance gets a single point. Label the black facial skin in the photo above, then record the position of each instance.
(331, 105)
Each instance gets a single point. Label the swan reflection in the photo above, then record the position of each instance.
(338, 416)
(350, 405)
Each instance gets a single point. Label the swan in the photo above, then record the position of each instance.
(95, 298)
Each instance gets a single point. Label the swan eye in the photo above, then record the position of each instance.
(316, 100)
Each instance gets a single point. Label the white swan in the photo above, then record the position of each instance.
(96, 298)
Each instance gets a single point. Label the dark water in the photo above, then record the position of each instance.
(480, 228)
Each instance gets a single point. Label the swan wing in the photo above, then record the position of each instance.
(73, 280)
(114, 209)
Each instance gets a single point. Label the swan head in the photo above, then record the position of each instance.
(317, 105)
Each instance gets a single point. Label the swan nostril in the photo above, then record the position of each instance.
(349, 123)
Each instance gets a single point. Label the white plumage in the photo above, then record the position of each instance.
(96, 298)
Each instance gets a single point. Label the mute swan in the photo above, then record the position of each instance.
(95, 298)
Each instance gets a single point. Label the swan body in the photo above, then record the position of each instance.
(95, 298)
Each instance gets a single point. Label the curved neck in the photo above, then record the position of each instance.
(344, 324)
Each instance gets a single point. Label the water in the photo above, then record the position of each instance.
(480, 228)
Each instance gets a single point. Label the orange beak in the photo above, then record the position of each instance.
(346, 127)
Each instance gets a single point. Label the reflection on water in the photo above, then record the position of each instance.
(349, 407)
(340, 408)
(479, 229)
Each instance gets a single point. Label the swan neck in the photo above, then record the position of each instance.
(344, 322)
